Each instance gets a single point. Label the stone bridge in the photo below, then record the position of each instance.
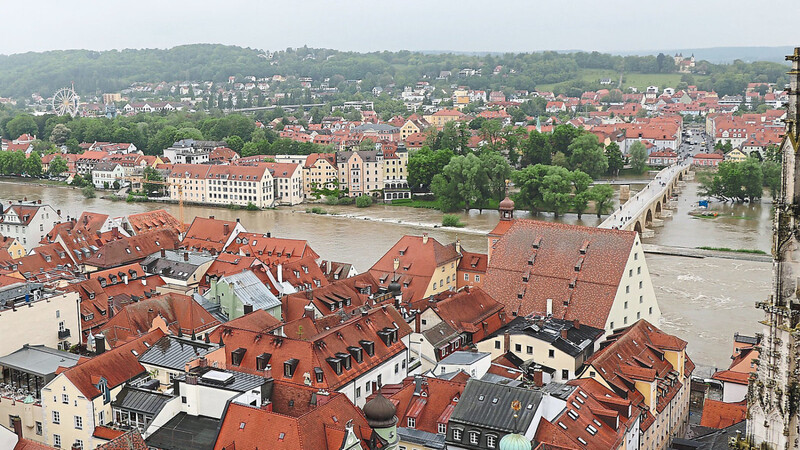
(649, 206)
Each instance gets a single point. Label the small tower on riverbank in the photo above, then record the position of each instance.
(773, 397)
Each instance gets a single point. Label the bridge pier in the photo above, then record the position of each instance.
(657, 223)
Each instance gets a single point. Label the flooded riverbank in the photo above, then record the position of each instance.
(703, 301)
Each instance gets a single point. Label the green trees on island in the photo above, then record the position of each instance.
(639, 156)
(742, 181)
(558, 190)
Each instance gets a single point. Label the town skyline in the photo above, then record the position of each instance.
(443, 24)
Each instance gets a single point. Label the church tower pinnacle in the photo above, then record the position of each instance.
(773, 397)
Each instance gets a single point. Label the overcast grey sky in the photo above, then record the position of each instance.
(464, 25)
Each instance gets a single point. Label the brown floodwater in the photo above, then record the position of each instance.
(703, 301)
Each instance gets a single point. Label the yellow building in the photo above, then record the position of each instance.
(421, 265)
(735, 155)
(441, 117)
(79, 399)
(12, 246)
(319, 171)
(665, 398)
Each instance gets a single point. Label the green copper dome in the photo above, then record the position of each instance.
(515, 441)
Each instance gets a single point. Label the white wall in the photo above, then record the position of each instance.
(733, 393)
(38, 324)
(388, 376)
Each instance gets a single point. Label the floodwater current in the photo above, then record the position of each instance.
(703, 301)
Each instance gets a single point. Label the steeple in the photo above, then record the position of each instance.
(773, 397)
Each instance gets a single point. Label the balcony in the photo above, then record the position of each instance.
(63, 334)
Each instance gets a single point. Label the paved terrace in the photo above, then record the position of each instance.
(647, 206)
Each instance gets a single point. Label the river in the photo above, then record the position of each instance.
(703, 301)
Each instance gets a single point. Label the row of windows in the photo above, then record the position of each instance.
(625, 319)
(474, 437)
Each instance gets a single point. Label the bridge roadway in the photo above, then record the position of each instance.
(648, 205)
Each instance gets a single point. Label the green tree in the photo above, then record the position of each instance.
(560, 159)
(363, 201)
(580, 187)
(497, 171)
(557, 191)
(16, 163)
(529, 182)
(88, 191)
(57, 166)
(463, 181)
(535, 150)
(235, 143)
(586, 154)
(772, 177)
(614, 157)
(151, 174)
(60, 134)
(20, 125)
(602, 195)
(424, 163)
(33, 165)
(638, 157)
(735, 181)
(562, 137)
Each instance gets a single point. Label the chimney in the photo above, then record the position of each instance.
(308, 311)
(110, 308)
(322, 397)
(186, 256)
(538, 380)
(211, 217)
(280, 273)
(17, 423)
(163, 253)
(458, 246)
(564, 333)
(99, 344)
(576, 324)
(269, 234)
(549, 306)
(330, 267)
(424, 238)
(58, 212)
(417, 322)
(227, 230)
(39, 202)
(506, 342)
(238, 220)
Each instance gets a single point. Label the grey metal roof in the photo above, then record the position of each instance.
(488, 405)
(462, 357)
(241, 381)
(440, 334)
(213, 308)
(419, 437)
(173, 265)
(251, 291)
(558, 390)
(172, 352)
(549, 330)
(498, 379)
(18, 291)
(185, 432)
(376, 127)
(38, 359)
(141, 400)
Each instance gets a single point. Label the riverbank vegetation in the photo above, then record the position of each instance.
(737, 250)
(741, 181)
(452, 220)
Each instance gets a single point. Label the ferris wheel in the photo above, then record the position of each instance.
(65, 101)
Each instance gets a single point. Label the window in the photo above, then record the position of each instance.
(630, 272)
(627, 289)
(641, 299)
(78, 422)
(611, 326)
(497, 343)
(625, 320)
(411, 422)
(650, 310)
(38, 428)
(396, 368)
(551, 353)
(491, 441)
(636, 256)
(518, 347)
(56, 441)
(638, 315)
(358, 392)
(529, 350)
(626, 305)
(101, 418)
(65, 399)
(474, 437)
(640, 285)
(477, 278)
(442, 428)
(466, 277)
(639, 270)
(564, 374)
(56, 417)
(456, 434)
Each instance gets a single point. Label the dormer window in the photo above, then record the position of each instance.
(262, 361)
(289, 367)
(237, 356)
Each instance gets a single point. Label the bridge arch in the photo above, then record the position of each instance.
(664, 199)
(638, 227)
(658, 209)
(649, 217)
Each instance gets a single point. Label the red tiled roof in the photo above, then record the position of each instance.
(27, 444)
(633, 354)
(472, 262)
(730, 376)
(418, 261)
(271, 250)
(600, 254)
(117, 366)
(208, 234)
(133, 249)
(717, 414)
(107, 433)
(311, 428)
(428, 400)
(470, 310)
(153, 220)
(332, 295)
(180, 312)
